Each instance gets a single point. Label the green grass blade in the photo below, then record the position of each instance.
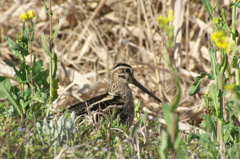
(208, 7)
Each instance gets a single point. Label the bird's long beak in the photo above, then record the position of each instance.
(136, 83)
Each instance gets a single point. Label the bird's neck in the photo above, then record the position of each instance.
(119, 89)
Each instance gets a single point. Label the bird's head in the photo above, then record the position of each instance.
(123, 74)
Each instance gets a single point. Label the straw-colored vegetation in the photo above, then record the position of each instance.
(95, 35)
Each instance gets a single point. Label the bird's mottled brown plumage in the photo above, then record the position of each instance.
(118, 97)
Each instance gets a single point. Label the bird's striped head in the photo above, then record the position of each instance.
(123, 74)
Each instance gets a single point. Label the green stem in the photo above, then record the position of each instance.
(50, 58)
(31, 59)
(173, 135)
(220, 134)
(237, 76)
(220, 117)
(234, 22)
(234, 35)
(234, 17)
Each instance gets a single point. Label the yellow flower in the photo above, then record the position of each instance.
(221, 40)
(31, 14)
(165, 23)
(27, 16)
(24, 17)
(166, 20)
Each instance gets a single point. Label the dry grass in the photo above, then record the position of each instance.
(94, 35)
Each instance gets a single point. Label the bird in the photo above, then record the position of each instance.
(118, 99)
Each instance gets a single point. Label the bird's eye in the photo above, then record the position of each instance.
(127, 70)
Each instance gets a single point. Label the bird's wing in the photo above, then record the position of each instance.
(102, 103)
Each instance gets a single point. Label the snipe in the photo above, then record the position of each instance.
(118, 97)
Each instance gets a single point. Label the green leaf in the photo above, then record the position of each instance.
(40, 97)
(234, 34)
(24, 33)
(177, 95)
(46, 8)
(26, 94)
(233, 4)
(5, 92)
(228, 130)
(172, 121)
(41, 80)
(195, 87)
(71, 120)
(204, 138)
(18, 51)
(224, 63)
(23, 75)
(214, 98)
(5, 87)
(167, 113)
(55, 32)
(177, 142)
(46, 128)
(9, 63)
(60, 124)
(44, 45)
(214, 64)
(39, 127)
(37, 68)
(209, 124)
(164, 145)
(134, 130)
(235, 62)
(21, 102)
(208, 7)
(24, 104)
(168, 62)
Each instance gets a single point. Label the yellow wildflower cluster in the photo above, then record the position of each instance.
(165, 21)
(27, 16)
(165, 24)
(221, 40)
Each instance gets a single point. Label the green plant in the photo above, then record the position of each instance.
(23, 97)
(173, 143)
(37, 85)
(222, 97)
